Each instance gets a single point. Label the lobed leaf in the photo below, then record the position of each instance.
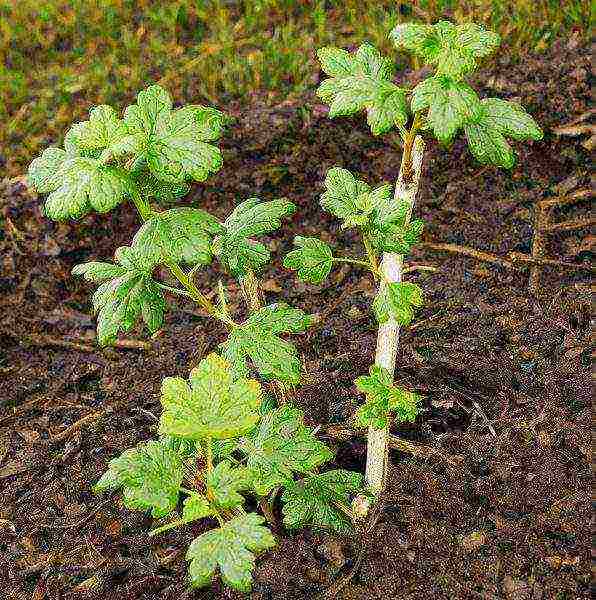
(225, 481)
(362, 81)
(280, 446)
(317, 500)
(396, 301)
(497, 119)
(172, 142)
(76, 185)
(177, 235)
(453, 49)
(103, 129)
(312, 259)
(257, 339)
(230, 548)
(395, 238)
(212, 406)
(353, 200)
(451, 104)
(196, 507)
(127, 293)
(382, 399)
(151, 475)
(237, 252)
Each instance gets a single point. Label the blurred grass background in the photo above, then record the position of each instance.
(59, 56)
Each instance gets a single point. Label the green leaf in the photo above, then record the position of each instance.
(450, 104)
(196, 507)
(44, 172)
(151, 475)
(397, 301)
(388, 111)
(510, 119)
(98, 271)
(164, 192)
(257, 339)
(76, 185)
(316, 500)
(128, 294)
(395, 238)
(225, 481)
(351, 199)
(453, 49)
(103, 129)
(497, 119)
(230, 548)
(177, 235)
(362, 81)
(312, 259)
(384, 398)
(280, 446)
(235, 249)
(172, 142)
(212, 406)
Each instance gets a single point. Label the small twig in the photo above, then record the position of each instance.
(419, 268)
(518, 256)
(479, 255)
(48, 340)
(343, 432)
(571, 225)
(483, 415)
(76, 426)
(81, 521)
(542, 215)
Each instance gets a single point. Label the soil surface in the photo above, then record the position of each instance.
(501, 509)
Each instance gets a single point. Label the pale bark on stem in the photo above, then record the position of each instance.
(388, 334)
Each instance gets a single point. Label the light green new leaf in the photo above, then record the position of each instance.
(382, 399)
(212, 406)
(76, 184)
(317, 500)
(312, 260)
(395, 238)
(44, 171)
(231, 548)
(177, 235)
(257, 339)
(225, 481)
(128, 293)
(351, 199)
(454, 49)
(235, 249)
(151, 475)
(103, 129)
(397, 300)
(280, 446)
(195, 507)
(362, 81)
(450, 104)
(499, 118)
(173, 142)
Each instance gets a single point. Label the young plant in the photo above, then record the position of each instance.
(220, 437)
(442, 105)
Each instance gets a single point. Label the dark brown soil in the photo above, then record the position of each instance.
(505, 375)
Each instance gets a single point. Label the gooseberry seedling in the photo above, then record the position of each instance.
(442, 105)
(220, 438)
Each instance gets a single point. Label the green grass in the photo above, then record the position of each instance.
(60, 56)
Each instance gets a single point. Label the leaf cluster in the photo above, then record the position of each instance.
(447, 104)
(257, 453)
